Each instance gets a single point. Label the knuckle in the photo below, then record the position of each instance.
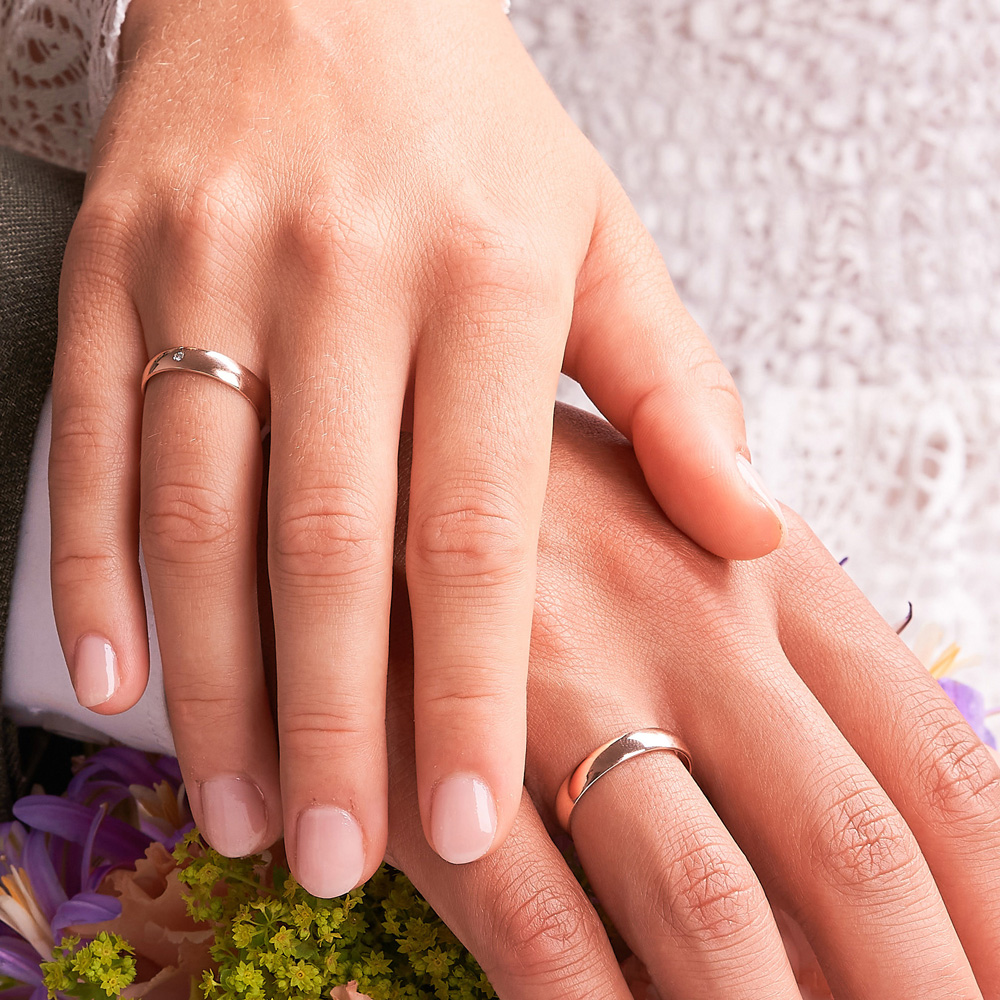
(709, 896)
(326, 534)
(180, 521)
(77, 566)
(102, 231)
(548, 924)
(475, 542)
(85, 443)
(311, 731)
(210, 216)
(961, 780)
(862, 843)
(490, 261)
(335, 241)
(711, 376)
(205, 704)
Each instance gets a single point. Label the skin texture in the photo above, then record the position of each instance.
(832, 776)
(381, 209)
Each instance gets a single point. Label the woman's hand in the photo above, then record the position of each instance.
(363, 203)
(832, 777)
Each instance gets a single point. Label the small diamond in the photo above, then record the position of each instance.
(178, 355)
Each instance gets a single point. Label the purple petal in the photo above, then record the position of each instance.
(20, 961)
(96, 877)
(14, 836)
(970, 703)
(88, 845)
(23, 993)
(41, 993)
(114, 841)
(170, 769)
(87, 908)
(37, 861)
(120, 764)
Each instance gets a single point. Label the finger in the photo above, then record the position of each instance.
(93, 474)
(940, 776)
(481, 439)
(520, 911)
(824, 837)
(331, 503)
(201, 470)
(674, 882)
(652, 371)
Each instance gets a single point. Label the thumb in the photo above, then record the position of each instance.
(653, 373)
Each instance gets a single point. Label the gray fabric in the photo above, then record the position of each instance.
(38, 203)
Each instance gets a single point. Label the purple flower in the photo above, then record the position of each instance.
(56, 853)
(970, 703)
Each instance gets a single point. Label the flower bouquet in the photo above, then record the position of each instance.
(108, 891)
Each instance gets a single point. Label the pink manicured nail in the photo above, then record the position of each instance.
(330, 851)
(753, 479)
(95, 671)
(233, 814)
(463, 818)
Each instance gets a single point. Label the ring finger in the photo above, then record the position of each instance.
(200, 482)
(671, 877)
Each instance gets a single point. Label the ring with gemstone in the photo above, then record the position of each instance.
(217, 366)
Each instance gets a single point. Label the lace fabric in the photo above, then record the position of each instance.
(821, 179)
(58, 62)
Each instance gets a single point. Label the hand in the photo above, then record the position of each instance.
(832, 777)
(362, 203)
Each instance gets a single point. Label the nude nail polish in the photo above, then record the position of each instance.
(95, 671)
(463, 818)
(330, 851)
(234, 817)
(753, 479)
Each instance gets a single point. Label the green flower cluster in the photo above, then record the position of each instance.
(96, 971)
(278, 940)
(274, 940)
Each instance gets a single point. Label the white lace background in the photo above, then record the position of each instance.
(822, 179)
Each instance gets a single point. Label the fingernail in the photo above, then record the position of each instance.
(234, 815)
(463, 818)
(330, 851)
(95, 671)
(753, 479)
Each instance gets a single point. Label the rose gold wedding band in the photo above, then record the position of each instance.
(610, 755)
(217, 366)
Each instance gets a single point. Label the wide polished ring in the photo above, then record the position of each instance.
(217, 366)
(610, 755)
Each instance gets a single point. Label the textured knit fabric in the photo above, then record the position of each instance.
(37, 205)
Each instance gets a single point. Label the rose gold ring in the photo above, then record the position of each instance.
(217, 366)
(610, 755)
